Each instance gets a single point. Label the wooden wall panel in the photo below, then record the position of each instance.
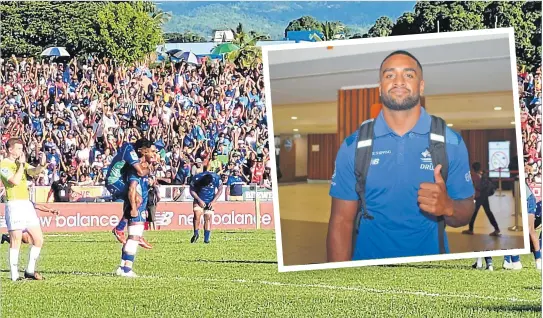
(477, 143)
(354, 106)
(287, 164)
(320, 164)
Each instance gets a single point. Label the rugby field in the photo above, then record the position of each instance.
(236, 276)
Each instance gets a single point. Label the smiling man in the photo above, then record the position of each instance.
(405, 195)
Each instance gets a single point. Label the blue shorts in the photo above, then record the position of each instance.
(142, 213)
(118, 189)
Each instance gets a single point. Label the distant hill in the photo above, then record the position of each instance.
(273, 17)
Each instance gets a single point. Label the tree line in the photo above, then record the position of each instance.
(122, 30)
(128, 31)
(444, 16)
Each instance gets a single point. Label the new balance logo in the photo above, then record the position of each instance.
(426, 156)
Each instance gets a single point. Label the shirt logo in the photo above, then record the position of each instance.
(426, 159)
(374, 161)
(133, 155)
(467, 176)
(5, 172)
(426, 156)
(383, 152)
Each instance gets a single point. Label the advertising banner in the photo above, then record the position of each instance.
(86, 217)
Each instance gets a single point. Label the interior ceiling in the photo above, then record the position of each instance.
(465, 78)
(464, 111)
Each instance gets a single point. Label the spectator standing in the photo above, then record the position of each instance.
(60, 190)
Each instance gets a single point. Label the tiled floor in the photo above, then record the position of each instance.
(305, 210)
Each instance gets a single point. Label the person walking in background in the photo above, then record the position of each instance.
(483, 189)
(152, 201)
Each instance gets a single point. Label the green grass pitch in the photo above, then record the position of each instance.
(236, 276)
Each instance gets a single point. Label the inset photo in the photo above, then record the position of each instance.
(396, 150)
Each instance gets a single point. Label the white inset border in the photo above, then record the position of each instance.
(418, 37)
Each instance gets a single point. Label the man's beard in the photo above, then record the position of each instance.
(406, 104)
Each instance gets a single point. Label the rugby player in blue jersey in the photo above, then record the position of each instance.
(205, 188)
(116, 184)
(405, 195)
(135, 208)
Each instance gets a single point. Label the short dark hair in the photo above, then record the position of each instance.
(401, 52)
(203, 182)
(142, 144)
(476, 166)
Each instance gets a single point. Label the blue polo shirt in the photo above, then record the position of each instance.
(399, 165)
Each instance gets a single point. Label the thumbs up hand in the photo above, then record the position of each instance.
(433, 197)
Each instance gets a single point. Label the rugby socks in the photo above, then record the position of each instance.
(129, 254)
(14, 263)
(207, 234)
(127, 262)
(507, 258)
(537, 254)
(515, 258)
(122, 224)
(34, 254)
(196, 233)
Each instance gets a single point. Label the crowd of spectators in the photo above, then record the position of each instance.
(529, 85)
(79, 111)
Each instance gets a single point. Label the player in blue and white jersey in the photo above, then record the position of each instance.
(135, 209)
(205, 188)
(127, 156)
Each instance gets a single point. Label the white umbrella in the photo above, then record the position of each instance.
(190, 58)
(55, 51)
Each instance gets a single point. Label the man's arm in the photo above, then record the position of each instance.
(18, 176)
(34, 171)
(195, 196)
(434, 198)
(141, 170)
(132, 197)
(462, 212)
(218, 194)
(339, 242)
(46, 209)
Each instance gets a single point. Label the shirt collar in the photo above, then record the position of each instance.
(422, 126)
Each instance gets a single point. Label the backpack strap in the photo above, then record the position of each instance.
(362, 162)
(438, 152)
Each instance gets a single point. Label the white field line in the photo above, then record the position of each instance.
(328, 287)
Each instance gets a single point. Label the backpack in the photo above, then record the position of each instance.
(362, 163)
(488, 188)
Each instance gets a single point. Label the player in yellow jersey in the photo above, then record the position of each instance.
(20, 213)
